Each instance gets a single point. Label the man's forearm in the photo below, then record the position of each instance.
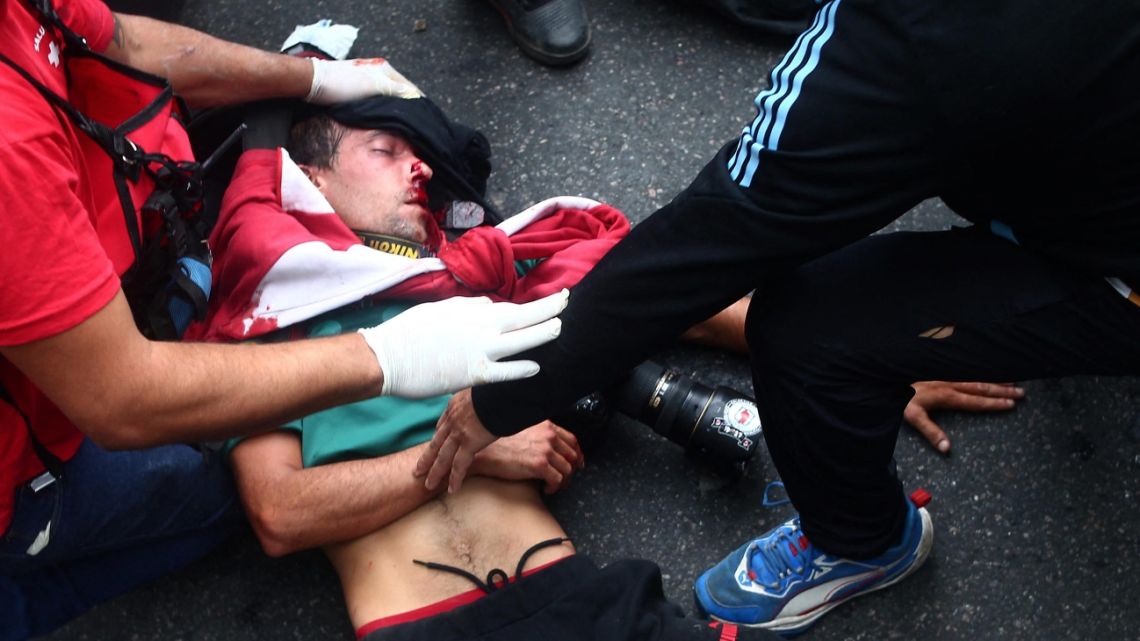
(205, 70)
(241, 389)
(126, 391)
(294, 509)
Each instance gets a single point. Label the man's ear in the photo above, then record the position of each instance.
(315, 176)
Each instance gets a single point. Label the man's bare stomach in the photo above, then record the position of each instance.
(487, 524)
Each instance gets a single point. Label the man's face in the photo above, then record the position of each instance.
(377, 184)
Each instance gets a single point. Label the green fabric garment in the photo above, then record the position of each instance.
(368, 428)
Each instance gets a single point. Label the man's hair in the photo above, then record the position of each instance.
(315, 141)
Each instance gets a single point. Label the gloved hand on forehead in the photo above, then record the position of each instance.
(342, 80)
(446, 346)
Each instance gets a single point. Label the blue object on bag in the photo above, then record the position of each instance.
(185, 303)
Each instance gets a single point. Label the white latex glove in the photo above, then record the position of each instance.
(441, 347)
(340, 80)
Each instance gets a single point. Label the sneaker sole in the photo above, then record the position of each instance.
(795, 625)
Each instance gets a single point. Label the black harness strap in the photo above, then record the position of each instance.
(161, 277)
(46, 8)
(178, 190)
(126, 156)
(117, 146)
(50, 461)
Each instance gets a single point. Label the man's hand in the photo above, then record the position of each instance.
(459, 436)
(341, 80)
(970, 397)
(546, 452)
(453, 344)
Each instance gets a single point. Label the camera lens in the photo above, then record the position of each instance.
(720, 425)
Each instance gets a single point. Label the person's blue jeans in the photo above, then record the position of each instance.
(114, 522)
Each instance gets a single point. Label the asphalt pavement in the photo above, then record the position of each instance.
(1034, 511)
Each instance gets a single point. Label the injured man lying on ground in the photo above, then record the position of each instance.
(349, 227)
(490, 559)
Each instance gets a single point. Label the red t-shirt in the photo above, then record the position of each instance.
(55, 272)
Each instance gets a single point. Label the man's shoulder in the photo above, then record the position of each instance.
(27, 117)
(36, 142)
(25, 112)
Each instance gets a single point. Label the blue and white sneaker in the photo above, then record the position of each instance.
(781, 582)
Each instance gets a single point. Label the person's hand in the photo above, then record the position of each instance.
(341, 80)
(453, 344)
(546, 452)
(970, 397)
(459, 436)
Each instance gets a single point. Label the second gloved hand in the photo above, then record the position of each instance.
(456, 343)
(341, 80)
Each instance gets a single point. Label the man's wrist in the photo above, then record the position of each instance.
(314, 79)
(301, 73)
(376, 376)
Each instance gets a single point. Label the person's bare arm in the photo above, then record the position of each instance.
(725, 330)
(293, 508)
(208, 71)
(205, 70)
(125, 391)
